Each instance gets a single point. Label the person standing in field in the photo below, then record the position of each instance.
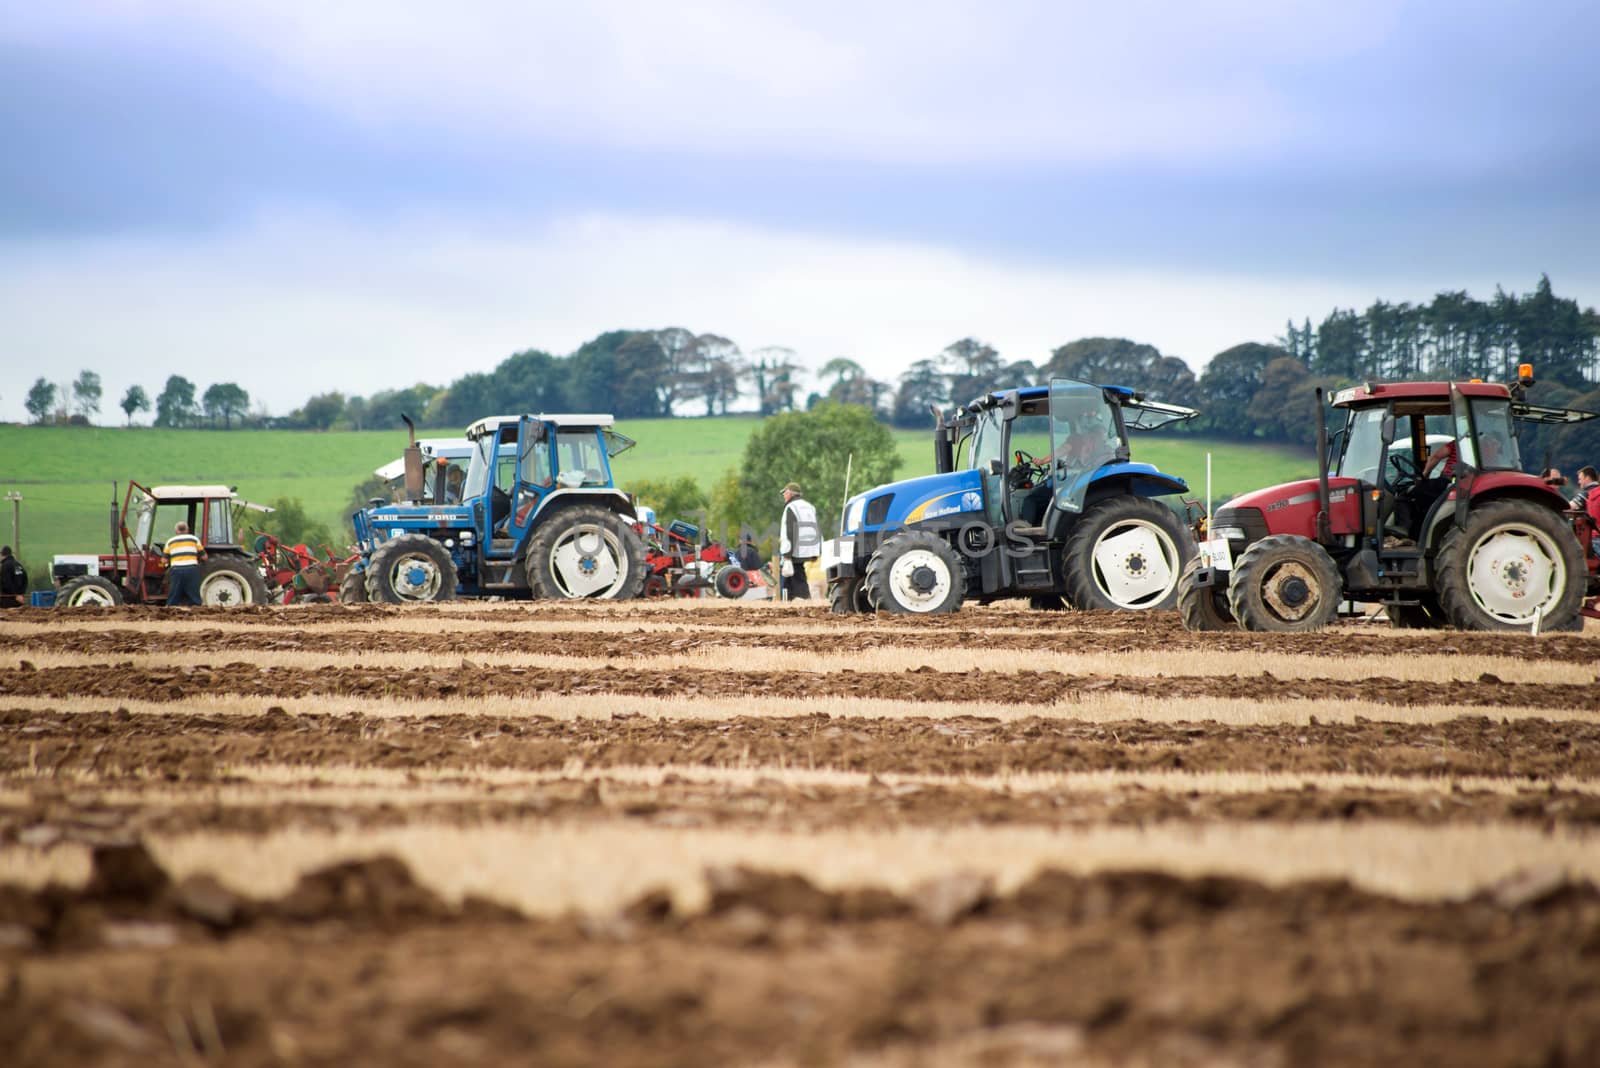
(799, 540)
(184, 553)
(13, 579)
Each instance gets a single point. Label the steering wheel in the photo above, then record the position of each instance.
(1406, 474)
(1027, 473)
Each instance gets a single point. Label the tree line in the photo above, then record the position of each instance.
(221, 406)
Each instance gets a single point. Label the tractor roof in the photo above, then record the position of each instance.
(182, 493)
(491, 423)
(1383, 392)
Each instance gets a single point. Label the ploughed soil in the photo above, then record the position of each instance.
(359, 963)
(124, 681)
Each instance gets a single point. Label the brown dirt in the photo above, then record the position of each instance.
(358, 963)
(126, 682)
(193, 747)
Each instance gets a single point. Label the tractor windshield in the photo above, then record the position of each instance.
(1497, 443)
(479, 467)
(1363, 445)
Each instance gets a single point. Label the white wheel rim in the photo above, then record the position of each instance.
(589, 561)
(224, 589)
(1135, 564)
(90, 595)
(905, 591)
(415, 577)
(1515, 570)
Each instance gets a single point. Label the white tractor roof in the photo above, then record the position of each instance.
(172, 493)
(491, 423)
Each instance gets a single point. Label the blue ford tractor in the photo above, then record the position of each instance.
(537, 516)
(1034, 496)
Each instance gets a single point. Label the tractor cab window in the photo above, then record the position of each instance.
(1497, 440)
(580, 461)
(1086, 435)
(219, 524)
(1363, 445)
(535, 464)
(479, 466)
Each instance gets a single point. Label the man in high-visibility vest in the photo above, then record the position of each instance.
(184, 553)
(799, 540)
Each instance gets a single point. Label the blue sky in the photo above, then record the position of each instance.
(299, 198)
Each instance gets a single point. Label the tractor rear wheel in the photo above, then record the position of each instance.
(1203, 607)
(1285, 583)
(732, 581)
(915, 572)
(1513, 559)
(353, 588)
(226, 582)
(89, 591)
(585, 551)
(411, 569)
(1126, 552)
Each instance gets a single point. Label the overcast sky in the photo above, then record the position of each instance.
(302, 197)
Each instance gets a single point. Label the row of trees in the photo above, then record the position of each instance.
(222, 404)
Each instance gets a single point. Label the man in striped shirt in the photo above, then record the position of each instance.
(184, 553)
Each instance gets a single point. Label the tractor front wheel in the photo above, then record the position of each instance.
(1285, 583)
(1514, 560)
(849, 597)
(89, 591)
(1126, 552)
(915, 572)
(1203, 607)
(584, 551)
(411, 569)
(732, 582)
(226, 582)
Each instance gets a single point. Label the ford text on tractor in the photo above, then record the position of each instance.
(1473, 543)
(135, 569)
(538, 516)
(1035, 495)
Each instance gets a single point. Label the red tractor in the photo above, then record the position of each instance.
(135, 569)
(1426, 510)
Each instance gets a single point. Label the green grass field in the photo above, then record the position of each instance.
(65, 473)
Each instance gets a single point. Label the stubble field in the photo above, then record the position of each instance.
(683, 833)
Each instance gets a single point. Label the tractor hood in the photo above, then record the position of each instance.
(915, 500)
(1290, 494)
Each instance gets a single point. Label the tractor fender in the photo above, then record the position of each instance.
(1443, 514)
(1141, 480)
(612, 499)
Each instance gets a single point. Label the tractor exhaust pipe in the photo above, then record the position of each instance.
(413, 461)
(1324, 526)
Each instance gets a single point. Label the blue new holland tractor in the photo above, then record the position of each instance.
(1035, 496)
(537, 516)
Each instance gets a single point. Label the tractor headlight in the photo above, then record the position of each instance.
(1230, 533)
(852, 514)
(466, 538)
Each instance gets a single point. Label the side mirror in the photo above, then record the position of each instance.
(997, 467)
(1386, 428)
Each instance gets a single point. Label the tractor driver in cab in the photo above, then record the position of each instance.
(1085, 438)
(1496, 452)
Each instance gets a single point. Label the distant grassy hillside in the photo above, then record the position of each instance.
(65, 473)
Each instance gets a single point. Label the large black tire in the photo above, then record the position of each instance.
(89, 591)
(1203, 607)
(1126, 552)
(411, 569)
(584, 551)
(1512, 558)
(229, 582)
(849, 597)
(1285, 583)
(353, 588)
(732, 581)
(915, 572)
(1424, 615)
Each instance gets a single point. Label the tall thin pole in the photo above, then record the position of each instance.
(847, 462)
